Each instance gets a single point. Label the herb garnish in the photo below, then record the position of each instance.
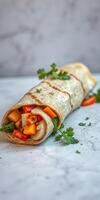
(77, 151)
(55, 123)
(66, 136)
(9, 128)
(41, 73)
(85, 124)
(90, 124)
(54, 73)
(82, 124)
(38, 90)
(86, 118)
(97, 94)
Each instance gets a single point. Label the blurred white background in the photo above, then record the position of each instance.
(35, 33)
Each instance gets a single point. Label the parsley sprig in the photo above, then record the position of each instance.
(54, 73)
(9, 128)
(64, 136)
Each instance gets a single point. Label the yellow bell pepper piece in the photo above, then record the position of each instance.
(30, 129)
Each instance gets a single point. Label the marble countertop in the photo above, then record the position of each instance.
(50, 171)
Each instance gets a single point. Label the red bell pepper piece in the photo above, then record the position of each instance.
(20, 135)
(24, 137)
(28, 108)
(39, 118)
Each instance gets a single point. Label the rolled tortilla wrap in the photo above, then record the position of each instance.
(61, 96)
(82, 73)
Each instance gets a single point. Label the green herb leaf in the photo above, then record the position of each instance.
(58, 137)
(77, 152)
(9, 128)
(97, 96)
(62, 126)
(86, 118)
(66, 137)
(38, 90)
(69, 132)
(54, 73)
(53, 67)
(55, 123)
(82, 124)
(41, 73)
(63, 76)
(69, 140)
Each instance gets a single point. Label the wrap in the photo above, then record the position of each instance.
(61, 96)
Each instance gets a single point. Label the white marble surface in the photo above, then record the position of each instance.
(35, 33)
(50, 171)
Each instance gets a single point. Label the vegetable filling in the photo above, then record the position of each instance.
(24, 125)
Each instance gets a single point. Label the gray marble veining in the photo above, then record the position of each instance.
(50, 171)
(35, 33)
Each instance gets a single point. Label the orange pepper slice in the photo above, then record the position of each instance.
(91, 100)
(14, 116)
(50, 112)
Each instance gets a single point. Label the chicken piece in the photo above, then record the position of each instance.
(41, 128)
